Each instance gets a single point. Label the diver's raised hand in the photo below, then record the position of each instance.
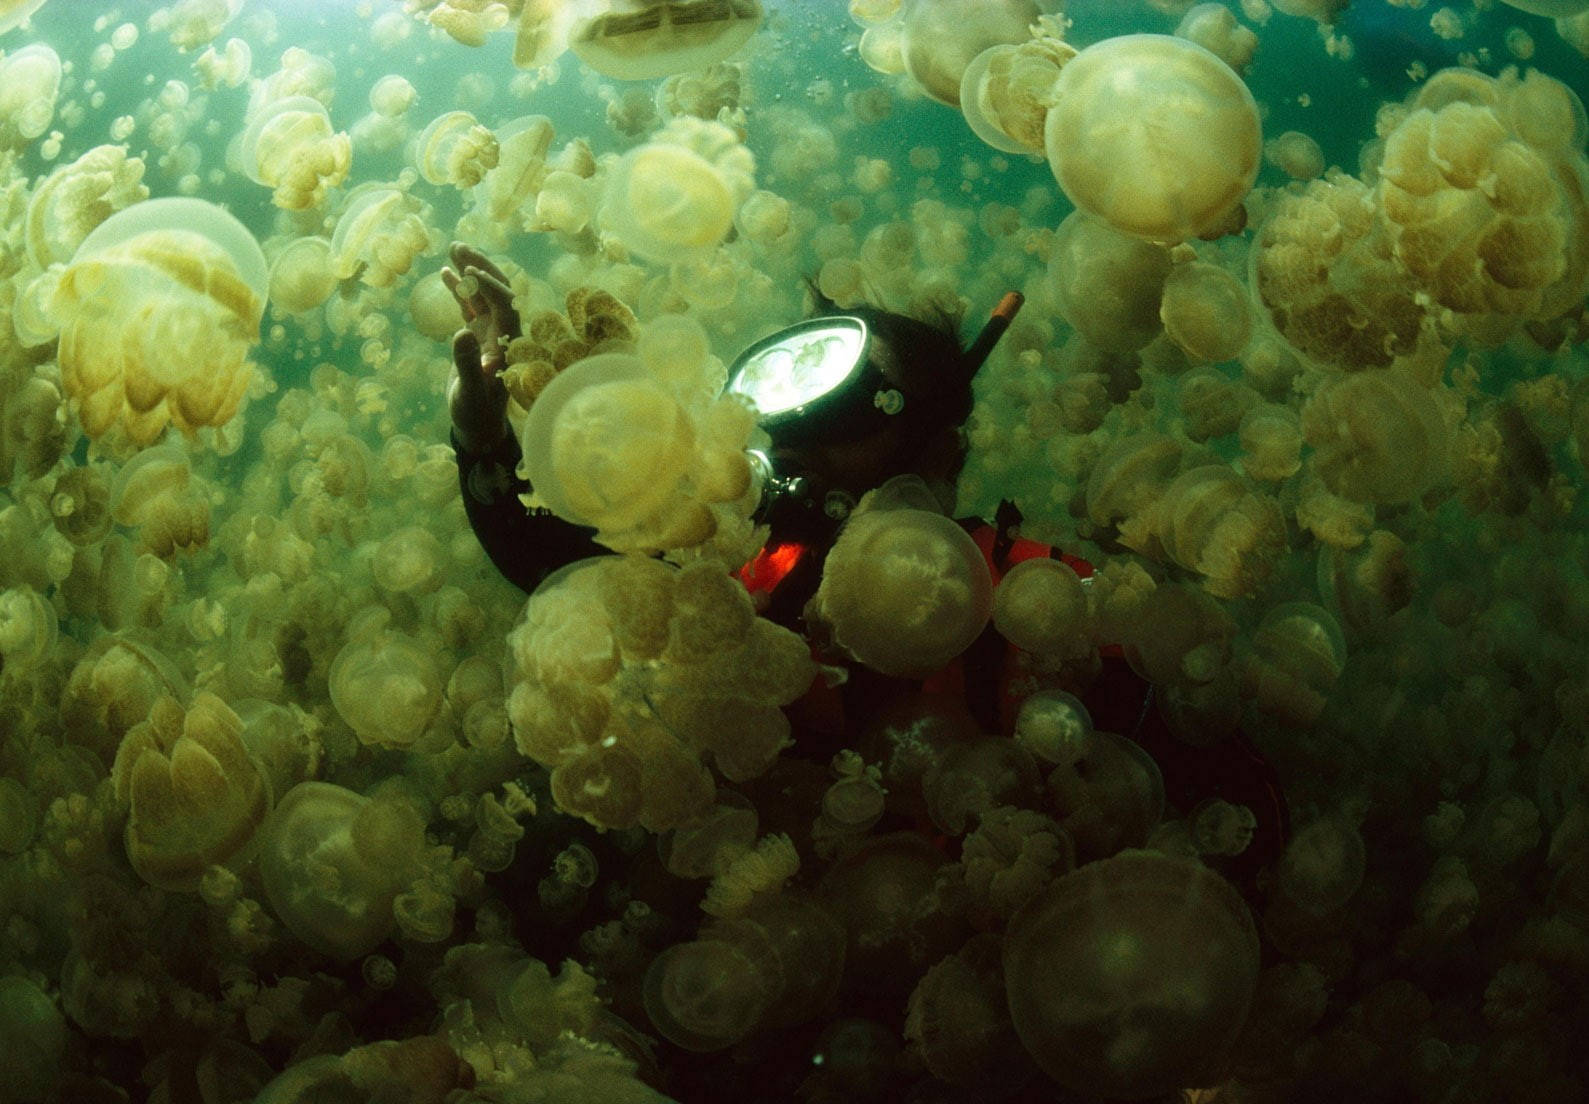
(476, 398)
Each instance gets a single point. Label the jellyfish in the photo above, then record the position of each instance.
(378, 235)
(30, 80)
(1377, 437)
(1295, 154)
(942, 36)
(14, 13)
(542, 33)
(1004, 92)
(455, 149)
(1155, 135)
(158, 310)
(642, 39)
(75, 198)
(383, 683)
(507, 193)
(194, 23)
(1132, 975)
(228, 67)
(678, 194)
(302, 276)
(432, 308)
(1040, 606)
(904, 590)
(1108, 285)
(289, 146)
(1205, 312)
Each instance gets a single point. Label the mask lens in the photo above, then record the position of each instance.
(797, 366)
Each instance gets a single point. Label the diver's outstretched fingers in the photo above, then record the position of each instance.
(466, 256)
(469, 306)
(497, 298)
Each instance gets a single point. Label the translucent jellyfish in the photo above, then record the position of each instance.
(302, 276)
(433, 309)
(194, 23)
(1153, 134)
(158, 310)
(332, 862)
(1486, 199)
(1205, 312)
(378, 235)
(1298, 654)
(1214, 27)
(1295, 154)
(30, 80)
(942, 36)
(1040, 606)
(194, 795)
(642, 39)
(905, 591)
(75, 198)
(289, 146)
(1131, 976)
(384, 685)
(392, 95)
(1377, 437)
(455, 149)
(605, 445)
(14, 13)
(507, 193)
(1107, 284)
(678, 194)
(543, 32)
(227, 67)
(564, 204)
(1005, 92)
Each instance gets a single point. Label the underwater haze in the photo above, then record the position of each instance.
(1225, 738)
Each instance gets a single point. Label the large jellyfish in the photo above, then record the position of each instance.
(158, 310)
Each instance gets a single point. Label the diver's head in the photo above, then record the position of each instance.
(850, 399)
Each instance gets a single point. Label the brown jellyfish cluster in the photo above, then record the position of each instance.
(1216, 731)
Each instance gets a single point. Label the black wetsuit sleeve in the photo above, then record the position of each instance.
(526, 545)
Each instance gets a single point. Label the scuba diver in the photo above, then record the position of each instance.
(849, 399)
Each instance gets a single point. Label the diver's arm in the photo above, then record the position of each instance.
(525, 545)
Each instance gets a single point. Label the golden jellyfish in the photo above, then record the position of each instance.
(1204, 310)
(507, 193)
(883, 47)
(158, 310)
(1132, 975)
(289, 146)
(1155, 135)
(642, 39)
(195, 797)
(1485, 193)
(433, 309)
(75, 198)
(564, 204)
(543, 32)
(678, 193)
(227, 67)
(942, 36)
(1295, 154)
(1005, 92)
(30, 81)
(194, 23)
(1214, 27)
(904, 590)
(1040, 606)
(1211, 521)
(455, 149)
(392, 95)
(14, 13)
(378, 235)
(383, 683)
(301, 276)
(1107, 284)
(1377, 437)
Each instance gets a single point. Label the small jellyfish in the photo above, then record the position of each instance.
(289, 146)
(302, 277)
(384, 685)
(942, 36)
(1040, 606)
(1107, 284)
(455, 149)
(378, 235)
(1153, 134)
(30, 80)
(678, 194)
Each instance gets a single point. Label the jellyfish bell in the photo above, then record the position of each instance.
(14, 13)
(301, 276)
(678, 195)
(1155, 135)
(941, 37)
(158, 309)
(30, 81)
(642, 39)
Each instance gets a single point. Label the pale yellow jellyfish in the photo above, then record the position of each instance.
(1214, 27)
(433, 309)
(392, 95)
(1205, 312)
(30, 81)
(904, 590)
(194, 23)
(1295, 154)
(942, 36)
(1005, 92)
(1107, 284)
(227, 67)
(543, 32)
(642, 39)
(1378, 437)
(1155, 135)
(678, 194)
(75, 198)
(384, 684)
(378, 235)
(455, 149)
(289, 146)
(14, 13)
(302, 276)
(158, 311)
(507, 193)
